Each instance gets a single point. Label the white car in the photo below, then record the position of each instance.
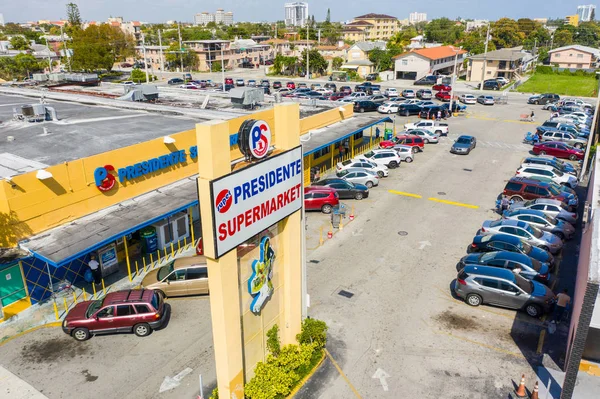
(524, 231)
(467, 99)
(408, 93)
(405, 152)
(486, 100)
(427, 136)
(548, 171)
(502, 80)
(128, 83)
(550, 207)
(358, 95)
(582, 116)
(385, 157)
(324, 91)
(579, 102)
(381, 170)
(388, 108)
(189, 86)
(346, 100)
(437, 128)
(284, 91)
(391, 92)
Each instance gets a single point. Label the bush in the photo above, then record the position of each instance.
(273, 344)
(313, 331)
(544, 70)
(215, 394)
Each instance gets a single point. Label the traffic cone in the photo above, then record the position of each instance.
(521, 392)
(534, 394)
(329, 234)
(352, 214)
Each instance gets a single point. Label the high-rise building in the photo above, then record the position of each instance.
(1, 19)
(585, 12)
(415, 17)
(296, 14)
(220, 17)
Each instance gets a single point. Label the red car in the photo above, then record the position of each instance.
(228, 81)
(137, 311)
(337, 96)
(559, 150)
(443, 95)
(410, 140)
(320, 199)
(290, 85)
(442, 87)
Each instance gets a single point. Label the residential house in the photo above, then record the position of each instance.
(353, 34)
(231, 54)
(375, 26)
(418, 42)
(358, 57)
(280, 46)
(330, 52)
(152, 56)
(439, 60)
(574, 56)
(298, 46)
(504, 63)
(475, 24)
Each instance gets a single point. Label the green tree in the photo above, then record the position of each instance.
(316, 61)
(19, 43)
(383, 59)
(26, 64)
(328, 18)
(100, 46)
(402, 37)
(474, 41)
(526, 25)
(216, 66)
(137, 75)
(73, 15)
(444, 30)
(337, 63)
(563, 37)
(174, 55)
(505, 33)
(587, 34)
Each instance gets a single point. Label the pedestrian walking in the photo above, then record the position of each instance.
(95, 268)
(562, 301)
(439, 115)
(532, 116)
(504, 204)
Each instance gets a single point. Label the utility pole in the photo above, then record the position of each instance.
(162, 64)
(307, 51)
(487, 38)
(180, 46)
(222, 67)
(66, 49)
(49, 58)
(552, 41)
(145, 62)
(319, 36)
(454, 78)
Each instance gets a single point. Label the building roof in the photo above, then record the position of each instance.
(375, 16)
(505, 54)
(368, 46)
(434, 53)
(359, 23)
(351, 29)
(578, 47)
(332, 48)
(358, 63)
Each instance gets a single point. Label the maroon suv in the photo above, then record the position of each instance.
(140, 311)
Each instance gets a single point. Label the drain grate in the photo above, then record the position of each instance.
(441, 193)
(314, 261)
(467, 170)
(346, 294)
(403, 233)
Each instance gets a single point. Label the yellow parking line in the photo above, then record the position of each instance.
(405, 194)
(342, 374)
(453, 203)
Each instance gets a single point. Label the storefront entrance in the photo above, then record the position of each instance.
(13, 295)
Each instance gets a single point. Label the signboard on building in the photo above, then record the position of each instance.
(250, 200)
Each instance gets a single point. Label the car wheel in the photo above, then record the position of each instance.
(425, 141)
(542, 152)
(142, 329)
(393, 165)
(438, 132)
(474, 300)
(358, 196)
(414, 150)
(573, 157)
(161, 293)
(560, 235)
(537, 102)
(326, 208)
(533, 310)
(545, 248)
(369, 184)
(406, 113)
(379, 173)
(361, 110)
(81, 334)
(578, 146)
(516, 198)
(408, 159)
(389, 112)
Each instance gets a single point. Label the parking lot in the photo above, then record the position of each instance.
(397, 261)
(121, 365)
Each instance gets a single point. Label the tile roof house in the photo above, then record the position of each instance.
(504, 63)
(358, 57)
(375, 26)
(574, 56)
(416, 64)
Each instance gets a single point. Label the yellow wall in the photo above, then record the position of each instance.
(29, 206)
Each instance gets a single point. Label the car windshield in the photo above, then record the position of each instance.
(369, 154)
(164, 271)
(553, 189)
(524, 284)
(463, 140)
(487, 257)
(94, 306)
(558, 172)
(535, 231)
(496, 223)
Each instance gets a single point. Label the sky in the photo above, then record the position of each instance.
(272, 10)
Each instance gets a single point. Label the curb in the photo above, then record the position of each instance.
(590, 368)
(307, 377)
(49, 325)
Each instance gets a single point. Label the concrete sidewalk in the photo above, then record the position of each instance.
(550, 384)
(15, 388)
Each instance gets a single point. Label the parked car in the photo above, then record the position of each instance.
(290, 85)
(175, 81)
(564, 167)
(442, 87)
(363, 163)
(391, 92)
(504, 242)
(228, 87)
(561, 229)
(251, 83)
(502, 80)
(524, 231)
(479, 285)
(183, 276)
(358, 95)
(126, 65)
(550, 207)
(409, 109)
(521, 188)
(426, 80)
(527, 267)
(559, 150)
(550, 105)
(426, 135)
(324, 92)
(276, 85)
(129, 83)
(378, 98)
(388, 108)
(486, 100)
(541, 99)
(424, 103)
(564, 137)
(331, 86)
(431, 111)
(467, 99)
(137, 311)
(347, 90)
(372, 76)
(190, 85)
(240, 82)
(437, 128)
(572, 198)
(443, 95)
(365, 106)
(320, 199)
(336, 96)
(265, 83)
(490, 85)
(548, 171)
(229, 81)
(408, 93)
(389, 158)
(315, 86)
(570, 129)
(405, 152)
(463, 145)
(424, 94)
(359, 176)
(302, 85)
(345, 189)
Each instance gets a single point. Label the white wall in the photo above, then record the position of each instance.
(414, 63)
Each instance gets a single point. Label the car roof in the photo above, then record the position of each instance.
(127, 296)
(464, 136)
(526, 180)
(514, 256)
(490, 271)
(498, 237)
(407, 136)
(511, 222)
(311, 189)
(526, 211)
(182, 263)
(549, 201)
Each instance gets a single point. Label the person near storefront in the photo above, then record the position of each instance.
(95, 268)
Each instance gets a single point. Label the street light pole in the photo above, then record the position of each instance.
(180, 46)
(222, 67)
(162, 64)
(145, 62)
(454, 77)
(307, 68)
(487, 38)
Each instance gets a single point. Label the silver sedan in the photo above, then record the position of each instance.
(559, 228)
(486, 100)
(359, 176)
(550, 207)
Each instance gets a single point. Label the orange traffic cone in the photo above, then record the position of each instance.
(534, 394)
(521, 392)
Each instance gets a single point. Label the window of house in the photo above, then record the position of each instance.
(579, 65)
(579, 55)
(404, 62)
(557, 55)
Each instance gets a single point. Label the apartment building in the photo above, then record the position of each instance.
(416, 17)
(219, 17)
(416, 64)
(506, 63)
(574, 57)
(231, 55)
(296, 13)
(374, 26)
(585, 12)
(152, 56)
